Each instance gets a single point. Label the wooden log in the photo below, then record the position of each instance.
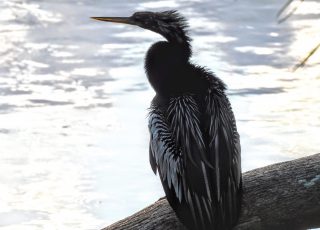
(280, 196)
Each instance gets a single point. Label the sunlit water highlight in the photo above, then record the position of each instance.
(74, 99)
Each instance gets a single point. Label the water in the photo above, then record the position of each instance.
(74, 99)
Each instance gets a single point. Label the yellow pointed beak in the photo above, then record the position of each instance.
(123, 20)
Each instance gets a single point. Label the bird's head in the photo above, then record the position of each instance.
(169, 24)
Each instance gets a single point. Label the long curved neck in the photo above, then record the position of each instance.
(167, 66)
(185, 47)
(179, 38)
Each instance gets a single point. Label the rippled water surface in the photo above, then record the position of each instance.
(74, 99)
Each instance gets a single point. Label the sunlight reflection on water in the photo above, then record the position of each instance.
(74, 99)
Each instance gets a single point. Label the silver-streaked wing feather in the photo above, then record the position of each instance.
(184, 118)
(197, 154)
(224, 152)
(164, 156)
(178, 152)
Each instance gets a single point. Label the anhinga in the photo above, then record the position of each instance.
(194, 143)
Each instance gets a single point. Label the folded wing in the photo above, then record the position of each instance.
(197, 153)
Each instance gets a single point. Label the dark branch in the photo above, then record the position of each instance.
(280, 196)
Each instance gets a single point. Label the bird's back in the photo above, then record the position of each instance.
(195, 147)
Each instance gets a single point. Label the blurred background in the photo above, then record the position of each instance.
(74, 100)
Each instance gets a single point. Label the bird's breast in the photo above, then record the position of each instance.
(162, 68)
(169, 71)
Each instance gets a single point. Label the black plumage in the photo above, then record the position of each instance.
(194, 143)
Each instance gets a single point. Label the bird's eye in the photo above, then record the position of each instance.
(141, 15)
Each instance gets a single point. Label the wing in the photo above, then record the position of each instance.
(178, 153)
(184, 117)
(163, 154)
(224, 154)
(197, 154)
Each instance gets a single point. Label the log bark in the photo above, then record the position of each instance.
(280, 196)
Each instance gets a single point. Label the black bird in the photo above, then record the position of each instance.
(194, 143)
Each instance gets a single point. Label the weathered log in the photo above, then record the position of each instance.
(280, 196)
